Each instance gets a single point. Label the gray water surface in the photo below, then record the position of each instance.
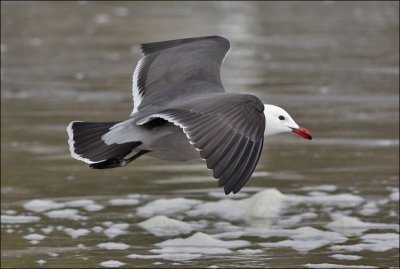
(333, 65)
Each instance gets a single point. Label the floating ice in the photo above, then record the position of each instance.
(112, 263)
(113, 246)
(166, 206)
(162, 225)
(123, 202)
(354, 226)
(19, 219)
(75, 233)
(71, 214)
(330, 265)
(39, 205)
(345, 257)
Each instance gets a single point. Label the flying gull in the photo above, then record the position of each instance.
(182, 112)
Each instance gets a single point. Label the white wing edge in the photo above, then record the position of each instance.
(71, 143)
(171, 120)
(137, 98)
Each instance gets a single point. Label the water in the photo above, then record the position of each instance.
(332, 65)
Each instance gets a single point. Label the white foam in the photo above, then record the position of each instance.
(19, 219)
(115, 230)
(345, 257)
(369, 209)
(298, 245)
(200, 239)
(301, 239)
(48, 229)
(264, 204)
(35, 237)
(354, 226)
(167, 256)
(394, 196)
(193, 250)
(40, 262)
(330, 265)
(39, 205)
(75, 233)
(343, 200)
(123, 202)
(71, 214)
(113, 246)
(248, 251)
(79, 203)
(373, 242)
(162, 226)
(97, 229)
(327, 188)
(269, 204)
(166, 206)
(94, 207)
(112, 264)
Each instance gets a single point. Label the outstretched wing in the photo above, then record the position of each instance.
(177, 68)
(228, 130)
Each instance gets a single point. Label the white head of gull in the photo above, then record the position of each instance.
(182, 112)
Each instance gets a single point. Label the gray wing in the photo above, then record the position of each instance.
(178, 68)
(228, 130)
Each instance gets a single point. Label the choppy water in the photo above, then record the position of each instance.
(329, 202)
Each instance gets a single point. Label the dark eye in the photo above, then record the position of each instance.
(281, 117)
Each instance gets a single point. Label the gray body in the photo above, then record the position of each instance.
(181, 112)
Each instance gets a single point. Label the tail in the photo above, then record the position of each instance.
(86, 144)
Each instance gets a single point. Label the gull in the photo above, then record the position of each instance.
(182, 112)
